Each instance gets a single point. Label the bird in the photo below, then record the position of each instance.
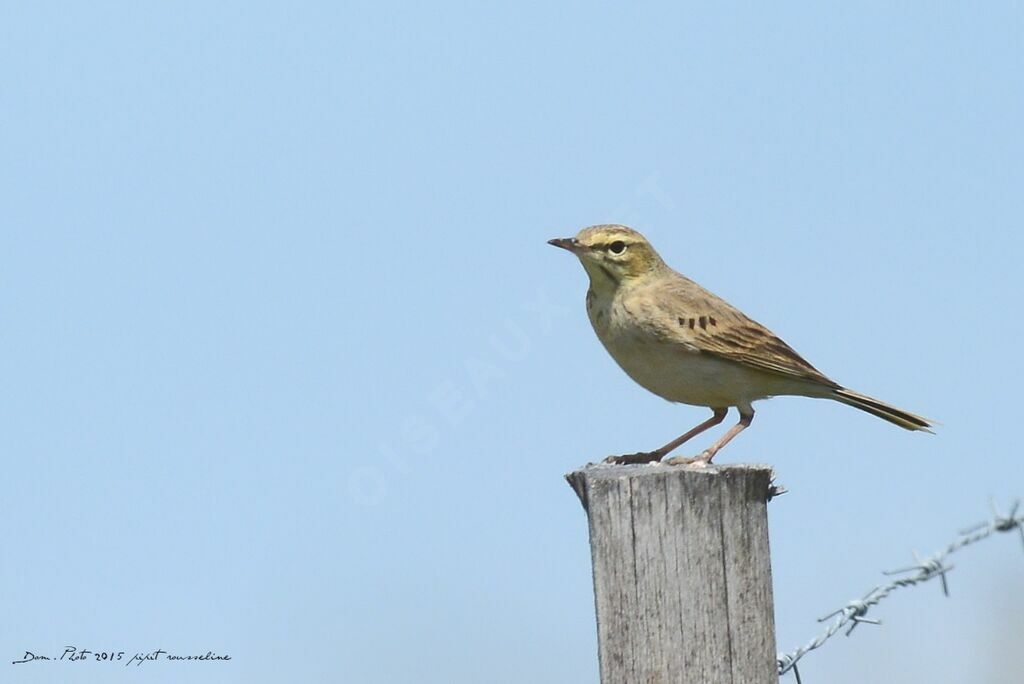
(687, 345)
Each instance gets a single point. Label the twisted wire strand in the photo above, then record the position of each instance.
(853, 613)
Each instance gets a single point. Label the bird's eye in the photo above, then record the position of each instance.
(617, 247)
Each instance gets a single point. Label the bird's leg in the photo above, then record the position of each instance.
(705, 456)
(658, 454)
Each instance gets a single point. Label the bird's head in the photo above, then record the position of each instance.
(612, 254)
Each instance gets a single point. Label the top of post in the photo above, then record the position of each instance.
(648, 473)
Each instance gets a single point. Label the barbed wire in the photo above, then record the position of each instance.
(853, 613)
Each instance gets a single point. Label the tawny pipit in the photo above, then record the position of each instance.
(686, 345)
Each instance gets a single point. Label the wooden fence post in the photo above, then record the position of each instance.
(682, 574)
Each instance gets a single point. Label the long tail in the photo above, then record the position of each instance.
(905, 420)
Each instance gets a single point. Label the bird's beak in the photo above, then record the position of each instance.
(566, 243)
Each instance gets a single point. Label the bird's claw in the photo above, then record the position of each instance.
(630, 459)
(701, 460)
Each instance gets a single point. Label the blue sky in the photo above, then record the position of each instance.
(291, 373)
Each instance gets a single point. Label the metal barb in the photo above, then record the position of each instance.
(860, 605)
(926, 569)
(855, 611)
(1010, 521)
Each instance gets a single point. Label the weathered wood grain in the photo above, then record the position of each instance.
(682, 573)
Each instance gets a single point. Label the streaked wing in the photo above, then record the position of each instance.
(710, 325)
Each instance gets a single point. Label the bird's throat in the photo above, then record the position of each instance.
(603, 281)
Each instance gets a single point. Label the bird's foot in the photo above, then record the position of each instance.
(638, 457)
(701, 460)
